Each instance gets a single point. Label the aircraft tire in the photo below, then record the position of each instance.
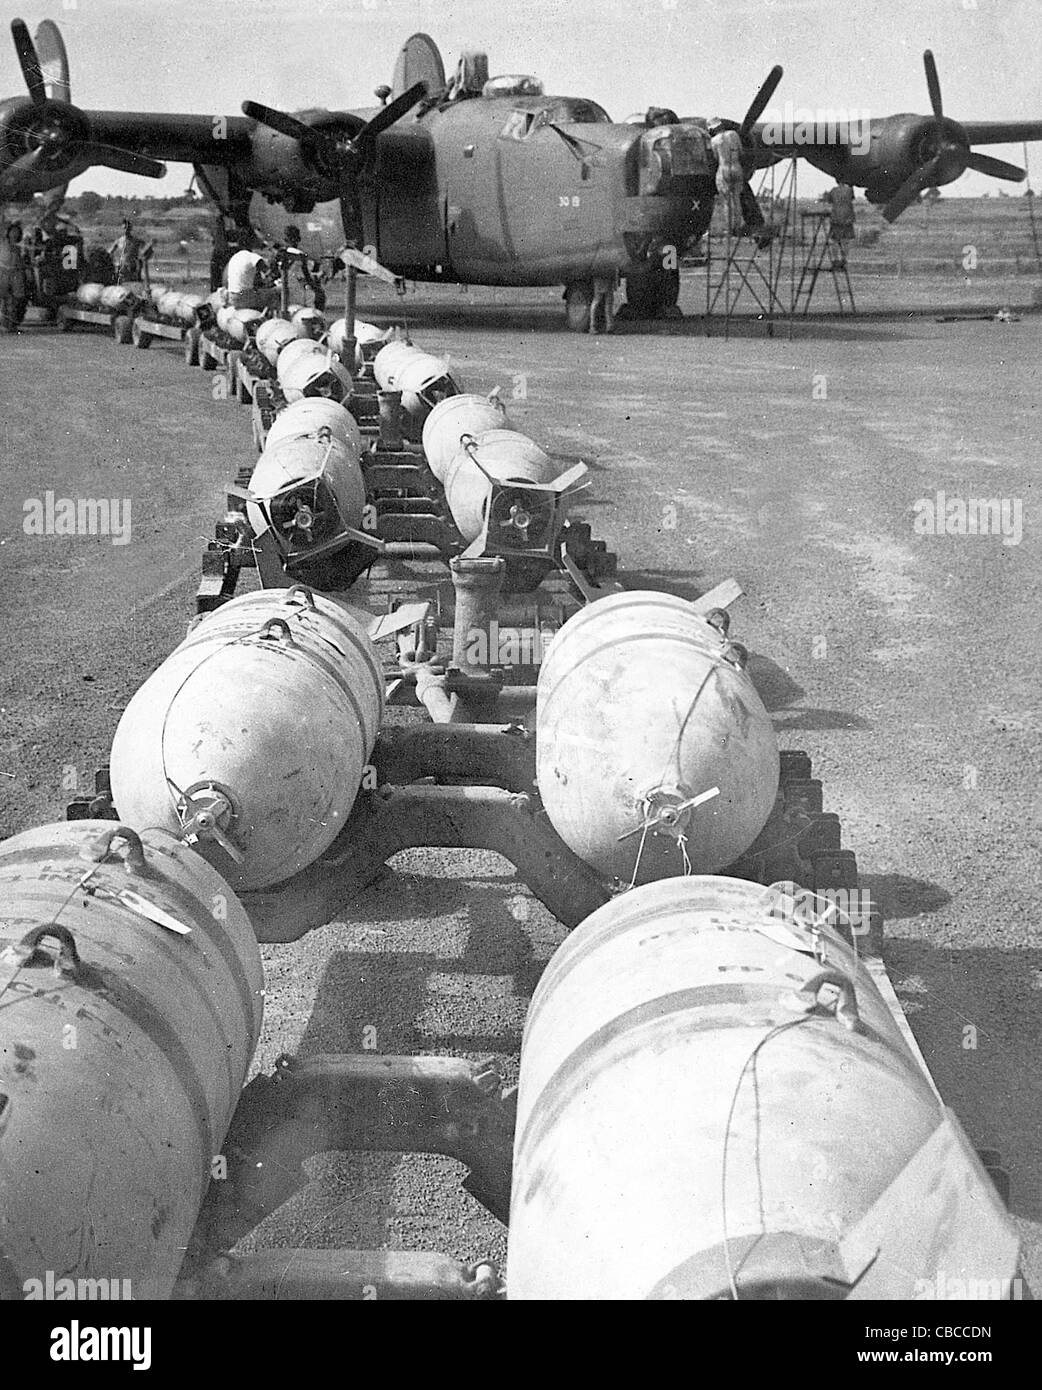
(651, 292)
(578, 301)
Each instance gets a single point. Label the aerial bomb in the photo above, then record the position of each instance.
(294, 351)
(389, 361)
(423, 380)
(188, 307)
(454, 418)
(157, 293)
(273, 335)
(237, 322)
(309, 416)
(115, 297)
(366, 335)
(251, 737)
(169, 305)
(655, 755)
(132, 995)
(479, 496)
(310, 321)
(89, 294)
(307, 491)
(321, 374)
(715, 1102)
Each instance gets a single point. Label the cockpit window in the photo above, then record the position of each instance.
(518, 125)
(577, 111)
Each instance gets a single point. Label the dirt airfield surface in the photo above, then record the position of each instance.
(905, 664)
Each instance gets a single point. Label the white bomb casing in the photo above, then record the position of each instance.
(89, 294)
(454, 417)
(706, 1110)
(139, 1050)
(263, 720)
(502, 455)
(424, 381)
(322, 374)
(309, 416)
(189, 306)
(389, 361)
(641, 707)
(293, 352)
(115, 296)
(310, 322)
(274, 335)
(306, 490)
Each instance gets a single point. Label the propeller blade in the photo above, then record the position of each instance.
(761, 99)
(923, 178)
(53, 60)
(28, 61)
(933, 82)
(126, 161)
(997, 168)
(284, 124)
(387, 115)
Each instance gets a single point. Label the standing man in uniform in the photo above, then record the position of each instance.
(128, 252)
(298, 258)
(45, 249)
(14, 282)
(841, 227)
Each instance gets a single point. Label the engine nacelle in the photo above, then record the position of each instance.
(290, 173)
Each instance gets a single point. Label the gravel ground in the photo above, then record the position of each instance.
(905, 664)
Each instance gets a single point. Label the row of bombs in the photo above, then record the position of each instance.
(308, 486)
(233, 767)
(169, 304)
(827, 1169)
(657, 765)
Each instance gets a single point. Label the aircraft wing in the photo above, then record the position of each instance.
(183, 139)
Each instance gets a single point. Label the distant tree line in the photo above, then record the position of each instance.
(119, 205)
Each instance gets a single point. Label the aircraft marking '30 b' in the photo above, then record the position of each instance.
(470, 180)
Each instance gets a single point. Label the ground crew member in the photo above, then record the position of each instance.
(660, 115)
(14, 282)
(248, 282)
(841, 227)
(726, 144)
(45, 250)
(128, 252)
(301, 262)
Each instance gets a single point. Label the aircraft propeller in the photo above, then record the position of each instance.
(58, 134)
(760, 100)
(349, 159)
(949, 153)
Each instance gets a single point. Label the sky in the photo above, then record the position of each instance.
(702, 57)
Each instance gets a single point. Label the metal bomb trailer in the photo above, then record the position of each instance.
(167, 315)
(762, 967)
(109, 307)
